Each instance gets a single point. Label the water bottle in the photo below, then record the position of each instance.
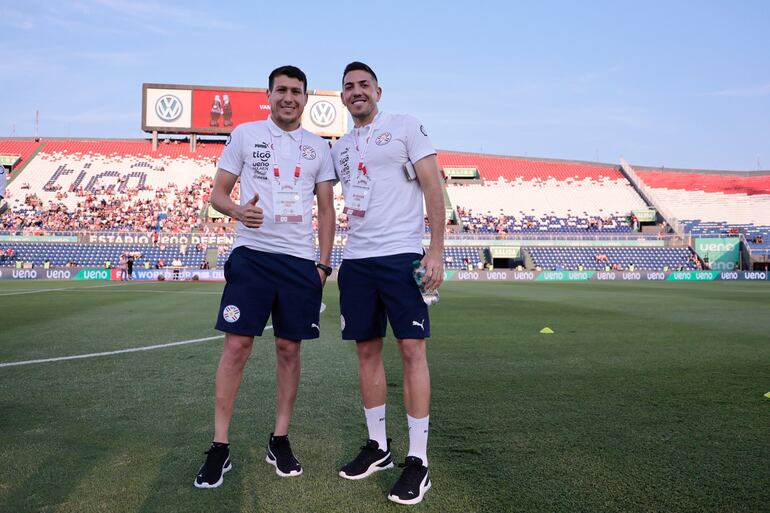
(430, 297)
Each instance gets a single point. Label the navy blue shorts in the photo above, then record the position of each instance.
(261, 284)
(376, 290)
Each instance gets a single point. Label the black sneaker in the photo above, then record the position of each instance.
(280, 456)
(413, 483)
(370, 460)
(211, 474)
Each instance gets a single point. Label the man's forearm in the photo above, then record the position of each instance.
(224, 204)
(325, 234)
(436, 218)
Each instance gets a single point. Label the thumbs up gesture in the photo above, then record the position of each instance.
(250, 214)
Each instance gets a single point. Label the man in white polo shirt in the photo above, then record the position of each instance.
(271, 270)
(386, 164)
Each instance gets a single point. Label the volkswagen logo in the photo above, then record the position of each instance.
(168, 107)
(323, 113)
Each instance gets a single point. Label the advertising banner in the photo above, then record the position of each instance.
(168, 108)
(505, 251)
(9, 160)
(565, 275)
(179, 274)
(148, 238)
(225, 109)
(217, 275)
(722, 254)
(325, 115)
(172, 108)
(645, 216)
(461, 172)
(38, 238)
(93, 274)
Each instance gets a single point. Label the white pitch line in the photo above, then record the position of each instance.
(153, 291)
(56, 290)
(31, 292)
(110, 353)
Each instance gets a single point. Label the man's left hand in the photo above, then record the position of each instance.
(323, 277)
(433, 262)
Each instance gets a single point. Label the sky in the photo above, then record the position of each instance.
(680, 84)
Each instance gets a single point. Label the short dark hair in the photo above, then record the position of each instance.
(355, 66)
(288, 71)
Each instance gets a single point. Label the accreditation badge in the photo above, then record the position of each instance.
(287, 202)
(357, 200)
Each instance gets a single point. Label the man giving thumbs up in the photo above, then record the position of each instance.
(272, 268)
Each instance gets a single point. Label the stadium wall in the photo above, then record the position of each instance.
(217, 275)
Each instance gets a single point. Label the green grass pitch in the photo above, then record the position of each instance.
(648, 397)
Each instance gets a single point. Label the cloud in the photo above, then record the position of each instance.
(16, 20)
(163, 11)
(591, 76)
(762, 90)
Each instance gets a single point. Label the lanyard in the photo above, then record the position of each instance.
(276, 169)
(362, 155)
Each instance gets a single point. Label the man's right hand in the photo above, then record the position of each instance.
(250, 214)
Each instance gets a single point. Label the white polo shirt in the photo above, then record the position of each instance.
(249, 154)
(394, 220)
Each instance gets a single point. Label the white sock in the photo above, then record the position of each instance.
(375, 422)
(418, 438)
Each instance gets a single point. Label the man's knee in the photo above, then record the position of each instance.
(369, 351)
(287, 351)
(413, 352)
(237, 349)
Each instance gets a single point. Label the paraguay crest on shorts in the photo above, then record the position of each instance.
(231, 313)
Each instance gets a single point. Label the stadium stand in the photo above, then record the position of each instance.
(96, 255)
(22, 149)
(531, 196)
(124, 186)
(712, 204)
(708, 198)
(614, 258)
(492, 167)
(111, 185)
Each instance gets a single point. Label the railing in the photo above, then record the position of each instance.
(513, 237)
(652, 197)
(218, 239)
